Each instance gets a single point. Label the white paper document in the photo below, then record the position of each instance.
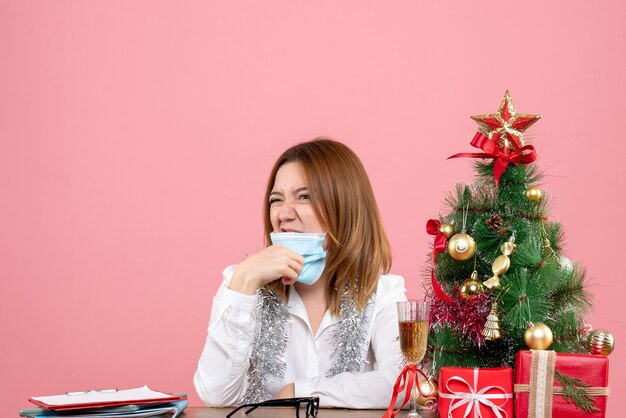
(98, 397)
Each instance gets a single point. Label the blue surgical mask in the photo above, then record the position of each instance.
(309, 246)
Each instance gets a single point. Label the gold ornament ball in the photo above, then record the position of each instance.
(538, 337)
(462, 247)
(601, 342)
(533, 194)
(447, 230)
(470, 288)
(428, 388)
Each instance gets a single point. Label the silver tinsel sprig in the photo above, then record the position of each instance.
(349, 337)
(267, 362)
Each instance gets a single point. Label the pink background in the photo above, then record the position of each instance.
(136, 137)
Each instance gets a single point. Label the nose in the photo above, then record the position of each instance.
(287, 212)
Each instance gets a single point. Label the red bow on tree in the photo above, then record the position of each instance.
(502, 157)
(432, 227)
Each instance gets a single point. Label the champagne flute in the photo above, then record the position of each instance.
(413, 325)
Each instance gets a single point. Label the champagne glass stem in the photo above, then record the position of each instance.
(413, 402)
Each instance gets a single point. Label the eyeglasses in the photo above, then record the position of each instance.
(311, 407)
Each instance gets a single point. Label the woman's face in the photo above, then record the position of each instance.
(291, 209)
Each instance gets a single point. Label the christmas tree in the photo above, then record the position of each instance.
(498, 282)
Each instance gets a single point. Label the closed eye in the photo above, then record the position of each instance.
(274, 201)
(275, 197)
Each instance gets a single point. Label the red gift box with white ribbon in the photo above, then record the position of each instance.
(484, 392)
(539, 392)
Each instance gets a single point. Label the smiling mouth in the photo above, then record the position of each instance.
(288, 230)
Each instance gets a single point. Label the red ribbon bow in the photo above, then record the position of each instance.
(432, 227)
(523, 155)
(409, 376)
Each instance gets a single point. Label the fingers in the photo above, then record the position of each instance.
(290, 267)
(290, 258)
(296, 265)
(281, 249)
(278, 261)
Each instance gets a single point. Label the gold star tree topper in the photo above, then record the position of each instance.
(506, 126)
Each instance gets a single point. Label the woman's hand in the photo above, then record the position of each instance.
(265, 266)
(288, 391)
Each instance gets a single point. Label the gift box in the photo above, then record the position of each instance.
(539, 384)
(485, 392)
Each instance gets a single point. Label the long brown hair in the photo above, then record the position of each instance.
(341, 194)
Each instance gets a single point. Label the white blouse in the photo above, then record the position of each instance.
(221, 376)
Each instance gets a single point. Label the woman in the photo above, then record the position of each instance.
(314, 313)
